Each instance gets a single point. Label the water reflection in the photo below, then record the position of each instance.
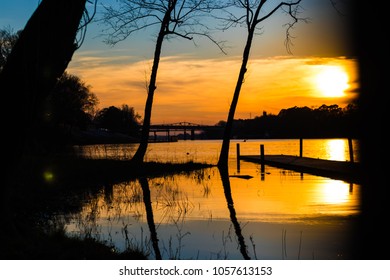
(208, 150)
(149, 216)
(210, 214)
(335, 192)
(233, 217)
(336, 148)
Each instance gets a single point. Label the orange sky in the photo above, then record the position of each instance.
(200, 90)
(196, 81)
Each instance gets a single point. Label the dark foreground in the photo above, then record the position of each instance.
(49, 186)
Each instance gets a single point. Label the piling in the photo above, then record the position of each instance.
(350, 150)
(300, 147)
(262, 158)
(238, 156)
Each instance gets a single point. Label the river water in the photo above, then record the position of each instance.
(245, 214)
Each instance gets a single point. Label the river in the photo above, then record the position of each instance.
(275, 214)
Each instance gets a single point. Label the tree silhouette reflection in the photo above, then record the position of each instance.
(149, 215)
(224, 173)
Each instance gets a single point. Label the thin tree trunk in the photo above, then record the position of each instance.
(141, 151)
(224, 155)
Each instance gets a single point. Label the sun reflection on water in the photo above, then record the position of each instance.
(336, 149)
(335, 192)
(195, 215)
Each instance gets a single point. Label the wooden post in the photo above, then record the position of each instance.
(350, 150)
(262, 158)
(300, 147)
(238, 156)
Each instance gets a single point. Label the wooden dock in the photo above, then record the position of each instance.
(340, 170)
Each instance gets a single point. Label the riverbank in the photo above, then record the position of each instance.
(51, 185)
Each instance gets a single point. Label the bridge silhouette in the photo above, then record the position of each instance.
(180, 126)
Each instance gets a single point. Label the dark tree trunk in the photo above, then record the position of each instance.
(224, 155)
(38, 59)
(141, 151)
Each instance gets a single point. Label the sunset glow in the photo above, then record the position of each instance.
(196, 82)
(200, 90)
(332, 81)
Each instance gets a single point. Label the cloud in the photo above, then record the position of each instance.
(200, 90)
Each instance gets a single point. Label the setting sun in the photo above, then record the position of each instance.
(332, 81)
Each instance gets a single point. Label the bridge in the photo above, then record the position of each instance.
(180, 126)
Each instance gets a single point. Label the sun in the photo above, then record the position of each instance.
(332, 81)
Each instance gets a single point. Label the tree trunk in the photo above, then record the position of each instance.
(38, 59)
(141, 151)
(224, 155)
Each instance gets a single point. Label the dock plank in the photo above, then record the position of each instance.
(340, 170)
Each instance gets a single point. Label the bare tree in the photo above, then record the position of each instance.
(250, 13)
(180, 18)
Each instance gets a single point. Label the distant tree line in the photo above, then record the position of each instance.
(71, 108)
(296, 122)
(71, 111)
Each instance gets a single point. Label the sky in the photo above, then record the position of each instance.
(196, 81)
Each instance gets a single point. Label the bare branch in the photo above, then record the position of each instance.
(87, 18)
(336, 5)
(130, 16)
(293, 11)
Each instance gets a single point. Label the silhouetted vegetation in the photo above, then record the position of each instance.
(33, 79)
(123, 120)
(37, 60)
(299, 122)
(50, 187)
(8, 40)
(176, 18)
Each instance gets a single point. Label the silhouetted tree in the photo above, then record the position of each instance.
(123, 120)
(296, 122)
(254, 12)
(39, 57)
(71, 103)
(8, 40)
(180, 18)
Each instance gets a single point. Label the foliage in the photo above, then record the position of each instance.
(8, 40)
(296, 122)
(123, 120)
(71, 103)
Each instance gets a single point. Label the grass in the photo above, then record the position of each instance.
(49, 185)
